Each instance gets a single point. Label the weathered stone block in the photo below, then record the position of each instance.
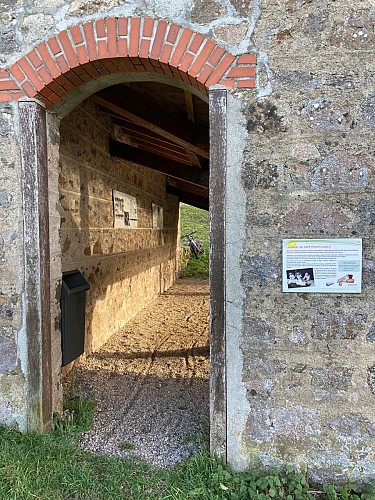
(314, 216)
(36, 26)
(366, 212)
(8, 41)
(260, 375)
(6, 125)
(243, 7)
(258, 269)
(7, 305)
(353, 427)
(303, 151)
(328, 114)
(298, 336)
(328, 465)
(231, 34)
(356, 32)
(296, 423)
(315, 23)
(371, 378)
(331, 378)
(4, 200)
(261, 174)
(341, 171)
(2, 253)
(259, 388)
(258, 334)
(8, 349)
(338, 326)
(206, 11)
(339, 80)
(296, 79)
(370, 337)
(81, 7)
(258, 425)
(368, 111)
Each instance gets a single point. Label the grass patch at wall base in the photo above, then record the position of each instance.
(52, 466)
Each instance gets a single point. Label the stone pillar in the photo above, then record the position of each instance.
(37, 317)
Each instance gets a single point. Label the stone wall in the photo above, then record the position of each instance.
(125, 267)
(308, 172)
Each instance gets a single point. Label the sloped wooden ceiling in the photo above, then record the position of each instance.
(164, 128)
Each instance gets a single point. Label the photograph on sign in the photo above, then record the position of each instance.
(322, 266)
(124, 210)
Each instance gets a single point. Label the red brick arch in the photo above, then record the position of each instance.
(119, 44)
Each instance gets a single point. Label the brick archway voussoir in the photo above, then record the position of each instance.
(97, 48)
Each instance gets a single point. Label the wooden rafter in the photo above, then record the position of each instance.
(127, 104)
(189, 198)
(146, 142)
(189, 106)
(166, 166)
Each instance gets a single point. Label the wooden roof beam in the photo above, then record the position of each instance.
(127, 104)
(189, 198)
(163, 165)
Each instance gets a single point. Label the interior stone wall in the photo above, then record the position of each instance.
(125, 267)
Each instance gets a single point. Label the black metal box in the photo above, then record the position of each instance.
(73, 302)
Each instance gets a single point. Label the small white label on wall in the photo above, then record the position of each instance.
(124, 210)
(322, 266)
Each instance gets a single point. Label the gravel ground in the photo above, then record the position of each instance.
(150, 380)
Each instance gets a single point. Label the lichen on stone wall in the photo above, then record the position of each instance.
(263, 118)
(262, 174)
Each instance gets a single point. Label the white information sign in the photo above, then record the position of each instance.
(124, 210)
(322, 266)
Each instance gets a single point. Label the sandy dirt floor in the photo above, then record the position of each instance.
(150, 380)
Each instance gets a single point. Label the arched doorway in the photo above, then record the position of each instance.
(61, 73)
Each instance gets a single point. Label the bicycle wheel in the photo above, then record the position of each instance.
(199, 245)
(193, 248)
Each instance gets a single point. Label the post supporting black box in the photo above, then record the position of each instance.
(73, 302)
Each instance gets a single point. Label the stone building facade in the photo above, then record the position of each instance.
(291, 88)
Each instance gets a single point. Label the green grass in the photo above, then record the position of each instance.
(195, 219)
(53, 467)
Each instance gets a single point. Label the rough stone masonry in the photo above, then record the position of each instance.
(300, 367)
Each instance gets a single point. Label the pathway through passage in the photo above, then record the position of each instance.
(150, 381)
